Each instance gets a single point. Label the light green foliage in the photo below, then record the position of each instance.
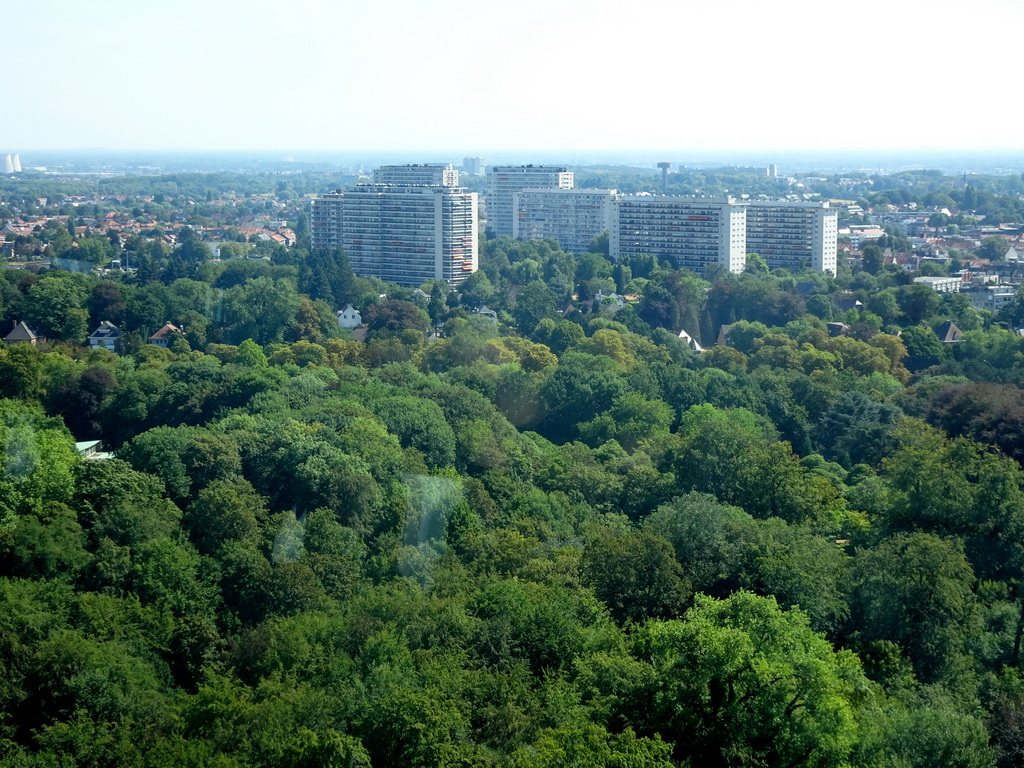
(37, 462)
(95, 250)
(420, 424)
(739, 681)
(590, 746)
(325, 552)
(632, 419)
(54, 306)
(261, 309)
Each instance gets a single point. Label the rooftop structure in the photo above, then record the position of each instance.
(424, 175)
(664, 176)
(941, 284)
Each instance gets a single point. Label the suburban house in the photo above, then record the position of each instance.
(610, 300)
(19, 333)
(691, 342)
(349, 317)
(162, 338)
(92, 449)
(105, 336)
(948, 333)
(485, 311)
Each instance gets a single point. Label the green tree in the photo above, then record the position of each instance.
(872, 259)
(916, 589)
(534, 303)
(993, 248)
(740, 682)
(918, 302)
(420, 424)
(394, 316)
(55, 306)
(923, 346)
(635, 574)
(261, 309)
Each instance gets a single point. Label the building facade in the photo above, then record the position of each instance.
(401, 234)
(474, 166)
(692, 232)
(424, 175)
(793, 235)
(941, 284)
(503, 181)
(572, 217)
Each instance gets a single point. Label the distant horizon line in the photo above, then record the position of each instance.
(551, 150)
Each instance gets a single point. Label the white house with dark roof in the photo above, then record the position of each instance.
(105, 336)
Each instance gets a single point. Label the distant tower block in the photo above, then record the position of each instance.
(16, 162)
(664, 175)
(8, 164)
(773, 171)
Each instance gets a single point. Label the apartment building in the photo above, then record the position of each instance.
(399, 233)
(942, 284)
(793, 235)
(503, 181)
(692, 232)
(572, 217)
(423, 175)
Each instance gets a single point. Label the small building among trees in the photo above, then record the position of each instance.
(163, 337)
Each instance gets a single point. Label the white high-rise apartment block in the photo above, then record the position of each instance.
(573, 217)
(424, 175)
(692, 232)
(474, 166)
(503, 181)
(399, 233)
(794, 235)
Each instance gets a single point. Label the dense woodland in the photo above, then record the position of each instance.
(561, 539)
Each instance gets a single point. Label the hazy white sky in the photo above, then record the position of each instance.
(476, 75)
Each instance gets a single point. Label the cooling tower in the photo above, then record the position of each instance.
(8, 164)
(16, 162)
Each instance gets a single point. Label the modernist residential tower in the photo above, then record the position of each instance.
(573, 217)
(691, 232)
(793, 235)
(399, 233)
(503, 181)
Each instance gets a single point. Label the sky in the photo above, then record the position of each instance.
(471, 77)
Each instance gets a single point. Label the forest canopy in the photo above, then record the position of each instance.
(556, 536)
